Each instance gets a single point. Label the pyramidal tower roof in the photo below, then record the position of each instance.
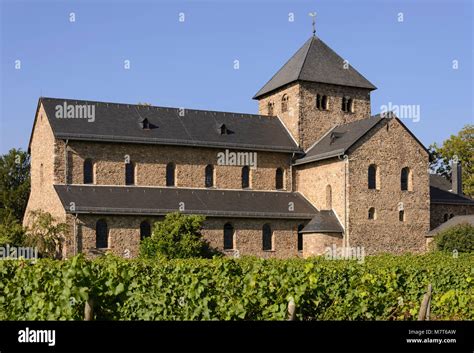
(315, 62)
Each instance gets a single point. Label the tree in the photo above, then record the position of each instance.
(12, 232)
(461, 146)
(178, 236)
(46, 234)
(14, 184)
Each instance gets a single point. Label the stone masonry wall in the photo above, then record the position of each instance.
(124, 235)
(151, 161)
(313, 178)
(307, 123)
(391, 148)
(439, 210)
(315, 244)
(43, 152)
(315, 123)
(289, 118)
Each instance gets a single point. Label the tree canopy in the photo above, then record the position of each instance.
(460, 147)
(14, 183)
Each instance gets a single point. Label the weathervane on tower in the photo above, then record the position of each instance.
(313, 15)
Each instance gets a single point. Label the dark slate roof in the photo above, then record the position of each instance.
(122, 200)
(451, 223)
(124, 123)
(440, 196)
(315, 62)
(338, 140)
(324, 222)
(440, 182)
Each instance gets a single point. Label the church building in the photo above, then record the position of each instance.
(313, 169)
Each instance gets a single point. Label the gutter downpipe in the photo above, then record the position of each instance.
(345, 158)
(75, 234)
(66, 166)
(291, 170)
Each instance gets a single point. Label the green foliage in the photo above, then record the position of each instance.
(178, 236)
(462, 146)
(460, 238)
(14, 183)
(382, 288)
(12, 232)
(46, 234)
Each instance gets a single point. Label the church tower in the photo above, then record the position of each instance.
(315, 91)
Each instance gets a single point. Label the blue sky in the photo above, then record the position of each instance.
(191, 63)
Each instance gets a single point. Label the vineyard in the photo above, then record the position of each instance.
(384, 287)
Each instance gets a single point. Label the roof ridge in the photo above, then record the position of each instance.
(306, 56)
(282, 67)
(156, 106)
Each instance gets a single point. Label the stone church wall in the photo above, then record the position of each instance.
(151, 161)
(43, 153)
(124, 235)
(390, 147)
(438, 212)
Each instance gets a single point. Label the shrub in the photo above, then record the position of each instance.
(460, 238)
(178, 236)
(46, 234)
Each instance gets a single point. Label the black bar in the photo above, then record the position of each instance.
(317, 336)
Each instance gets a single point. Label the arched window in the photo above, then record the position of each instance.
(324, 103)
(405, 179)
(101, 234)
(145, 230)
(300, 237)
(209, 176)
(328, 197)
(371, 213)
(350, 105)
(267, 237)
(451, 216)
(401, 216)
(279, 179)
(88, 171)
(319, 104)
(270, 106)
(446, 217)
(372, 177)
(129, 173)
(170, 174)
(228, 236)
(344, 104)
(245, 177)
(284, 103)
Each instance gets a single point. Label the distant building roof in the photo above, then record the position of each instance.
(129, 123)
(324, 222)
(456, 220)
(123, 200)
(315, 62)
(439, 196)
(440, 182)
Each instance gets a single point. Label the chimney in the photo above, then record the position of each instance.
(456, 178)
